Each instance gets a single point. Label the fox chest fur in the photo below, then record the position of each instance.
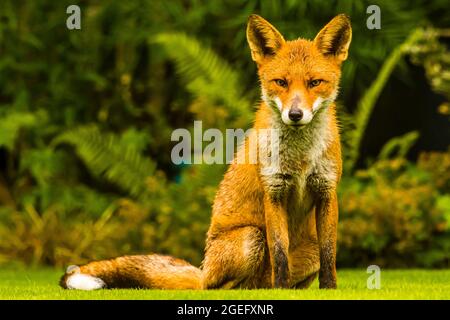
(303, 171)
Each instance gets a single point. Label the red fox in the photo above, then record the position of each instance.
(272, 226)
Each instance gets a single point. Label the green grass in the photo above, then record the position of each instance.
(395, 284)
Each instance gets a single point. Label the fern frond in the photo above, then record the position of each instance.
(367, 103)
(106, 156)
(208, 76)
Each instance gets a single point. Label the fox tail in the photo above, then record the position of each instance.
(144, 271)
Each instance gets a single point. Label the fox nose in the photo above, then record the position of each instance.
(295, 114)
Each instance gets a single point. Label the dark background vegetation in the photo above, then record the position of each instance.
(86, 118)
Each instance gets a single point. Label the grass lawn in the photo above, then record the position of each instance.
(395, 284)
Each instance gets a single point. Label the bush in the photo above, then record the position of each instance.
(397, 214)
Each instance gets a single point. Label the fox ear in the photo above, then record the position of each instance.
(264, 40)
(335, 37)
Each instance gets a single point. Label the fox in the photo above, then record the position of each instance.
(272, 226)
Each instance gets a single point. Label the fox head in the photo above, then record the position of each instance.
(300, 77)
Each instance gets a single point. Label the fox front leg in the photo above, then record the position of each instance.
(277, 240)
(326, 223)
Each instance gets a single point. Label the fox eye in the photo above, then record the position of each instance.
(281, 82)
(315, 83)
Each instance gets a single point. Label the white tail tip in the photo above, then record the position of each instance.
(81, 281)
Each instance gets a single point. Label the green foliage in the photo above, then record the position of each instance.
(209, 78)
(434, 56)
(396, 212)
(50, 237)
(367, 103)
(398, 146)
(106, 155)
(86, 118)
(13, 122)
